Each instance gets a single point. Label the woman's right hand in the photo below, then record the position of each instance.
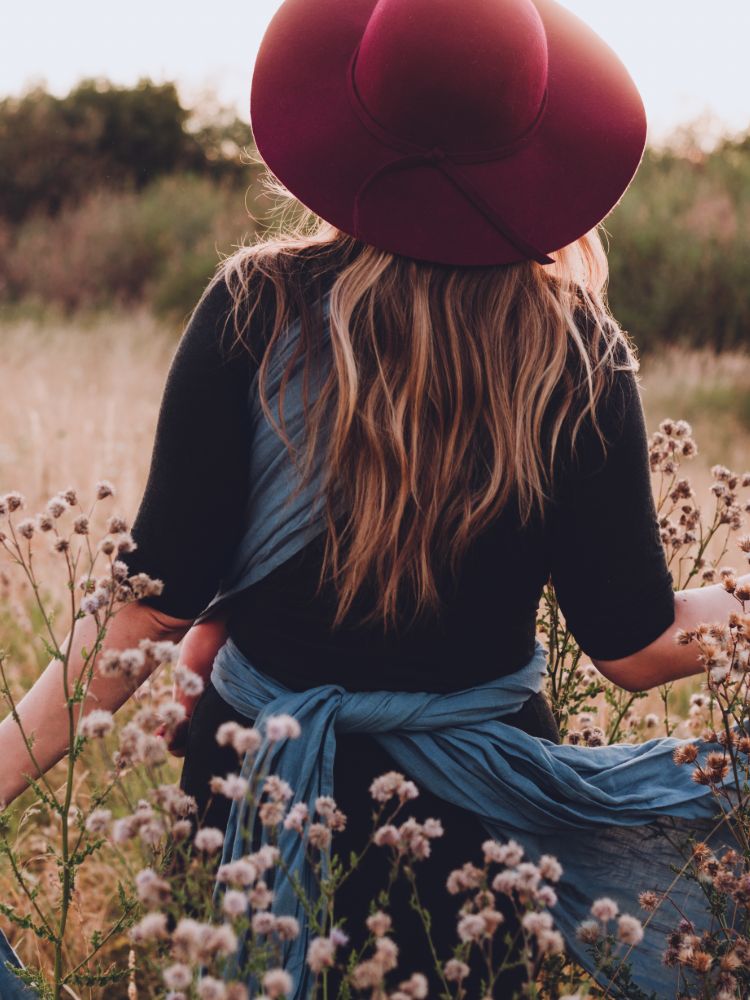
(199, 649)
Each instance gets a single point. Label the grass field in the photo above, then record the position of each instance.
(80, 401)
(81, 396)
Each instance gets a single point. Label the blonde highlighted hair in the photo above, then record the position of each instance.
(453, 392)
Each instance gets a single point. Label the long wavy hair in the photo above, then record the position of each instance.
(453, 392)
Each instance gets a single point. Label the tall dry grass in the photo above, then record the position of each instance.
(80, 400)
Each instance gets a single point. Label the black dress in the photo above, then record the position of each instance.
(599, 543)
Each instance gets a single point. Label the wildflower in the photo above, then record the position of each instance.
(535, 922)
(211, 989)
(14, 501)
(280, 727)
(131, 662)
(152, 750)
(116, 525)
(244, 739)
(386, 953)
(263, 922)
(604, 909)
(44, 522)
(550, 943)
(320, 954)
(527, 876)
(386, 836)
(98, 821)
(260, 897)
(629, 929)
(221, 941)
(455, 971)
(546, 895)
(415, 986)
(296, 818)
(412, 839)
(368, 975)
(471, 927)
(271, 813)
(240, 872)
(81, 525)
(386, 785)
(407, 790)
(340, 938)
(466, 877)
(190, 683)
(266, 856)
(173, 800)
(26, 528)
(505, 882)
(124, 829)
(187, 939)
(104, 489)
(97, 724)
(171, 713)
(56, 507)
(150, 928)
(492, 918)
(701, 961)
(109, 663)
(379, 923)
(177, 976)
(319, 836)
(433, 828)
(163, 651)
(287, 928)
(550, 868)
(91, 603)
(209, 839)
(506, 854)
(232, 787)
(234, 903)
(685, 753)
(151, 888)
(181, 829)
(325, 805)
(277, 983)
(588, 931)
(278, 789)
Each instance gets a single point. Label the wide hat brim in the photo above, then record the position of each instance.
(555, 188)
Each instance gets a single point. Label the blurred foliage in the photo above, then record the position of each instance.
(680, 249)
(54, 151)
(114, 195)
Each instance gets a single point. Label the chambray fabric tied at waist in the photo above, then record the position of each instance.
(612, 815)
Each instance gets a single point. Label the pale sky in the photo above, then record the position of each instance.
(688, 57)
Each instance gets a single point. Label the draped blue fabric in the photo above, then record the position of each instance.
(11, 987)
(614, 816)
(281, 513)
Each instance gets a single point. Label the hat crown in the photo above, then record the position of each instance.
(461, 75)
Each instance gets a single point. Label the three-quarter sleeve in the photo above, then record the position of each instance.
(608, 565)
(189, 517)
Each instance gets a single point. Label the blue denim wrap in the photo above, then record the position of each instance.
(614, 816)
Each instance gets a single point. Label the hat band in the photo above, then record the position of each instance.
(413, 155)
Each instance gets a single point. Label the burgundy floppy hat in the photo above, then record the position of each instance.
(454, 131)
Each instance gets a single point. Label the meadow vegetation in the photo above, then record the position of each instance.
(108, 234)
